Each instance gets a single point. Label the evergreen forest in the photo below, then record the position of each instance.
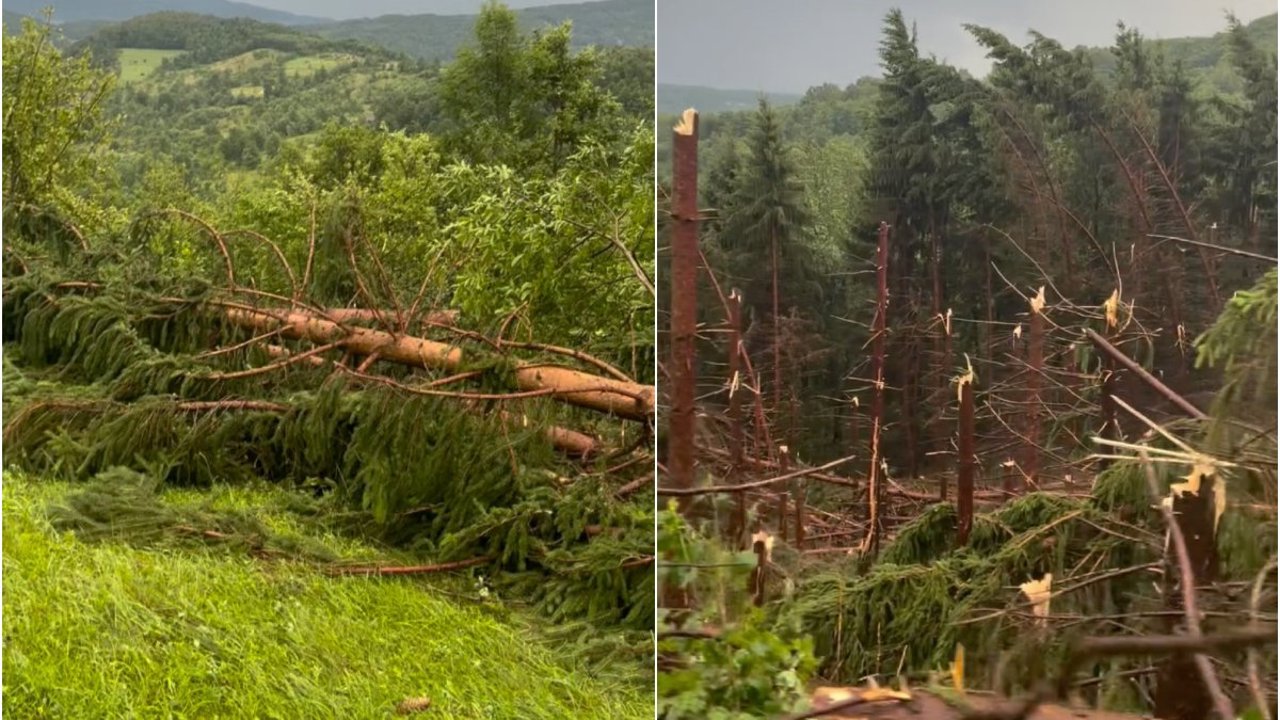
(968, 387)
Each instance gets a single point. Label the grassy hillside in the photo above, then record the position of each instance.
(438, 37)
(139, 63)
(672, 99)
(211, 632)
(76, 10)
(204, 90)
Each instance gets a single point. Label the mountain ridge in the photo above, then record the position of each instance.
(120, 10)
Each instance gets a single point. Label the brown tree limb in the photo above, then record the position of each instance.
(627, 400)
(1111, 351)
(804, 472)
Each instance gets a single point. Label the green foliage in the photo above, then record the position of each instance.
(545, 249)
(744, 673)
(921, 600)
(749, 668)
(522, 101)
(1243, 344)
(53, 120)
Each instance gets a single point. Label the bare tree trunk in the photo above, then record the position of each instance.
(738, 527)
(1035, 362)
(784, 464)
(684, 323)
(798, 497)
(777, 332)
(946, 369)
(875, 491)
(967, 461)
(1181, 693)
(684, 305)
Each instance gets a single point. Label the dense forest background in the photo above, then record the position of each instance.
(1001, 357)
(1055, 170)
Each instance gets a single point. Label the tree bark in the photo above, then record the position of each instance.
(624, 399)
(684, 305)
(875, 491)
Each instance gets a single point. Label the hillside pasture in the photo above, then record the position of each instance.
(308, 65)
(137, 64)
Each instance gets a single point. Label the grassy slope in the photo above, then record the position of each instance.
(111, 631)
(138, 63)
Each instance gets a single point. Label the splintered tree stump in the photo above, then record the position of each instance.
(1180, 690)
(967, 461)
(684, 305)
(784, 464)
(1035, 364)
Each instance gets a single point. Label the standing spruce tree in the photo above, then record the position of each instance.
(764, 230)
(903, 168)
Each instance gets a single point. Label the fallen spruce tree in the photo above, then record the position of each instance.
(530, 463)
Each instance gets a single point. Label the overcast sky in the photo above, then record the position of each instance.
(344, 9)
(771, 45)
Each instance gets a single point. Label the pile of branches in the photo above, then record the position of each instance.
(531, 462)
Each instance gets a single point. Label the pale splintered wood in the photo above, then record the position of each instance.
(688, 122)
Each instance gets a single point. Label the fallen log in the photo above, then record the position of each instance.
(562, 439)
(365, 315)
(627, 400)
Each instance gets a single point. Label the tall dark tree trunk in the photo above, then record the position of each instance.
(684, 305)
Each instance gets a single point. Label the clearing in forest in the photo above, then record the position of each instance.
(138, 64)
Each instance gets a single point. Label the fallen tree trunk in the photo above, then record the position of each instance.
(562, 439)
(438, 317)
(623, 399)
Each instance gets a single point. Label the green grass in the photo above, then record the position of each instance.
(107, 630)
(308, 65)
(248, 91)
(138, 63)
(247, 61)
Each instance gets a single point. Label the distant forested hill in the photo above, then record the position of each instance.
(221, 93)
(437, 37)
(672, 99)
(74, 10)
(1205, 58)
(202, 37)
